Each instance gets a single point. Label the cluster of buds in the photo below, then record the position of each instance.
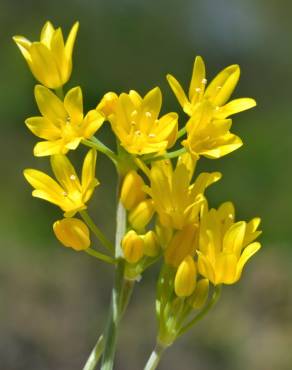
(166, 213)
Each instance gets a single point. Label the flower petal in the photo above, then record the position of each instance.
(73, 104)
(50, 105)
(65, 173)
(43, 128)
(180, 94)
(44, 148)
(91, 123)
(197, 85)
(71, 40)
(46, 187)
(248, 252)
(43, 66)
(222, 86)
(88, 180)
(235, 106)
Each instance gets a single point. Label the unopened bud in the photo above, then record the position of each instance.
(151, 246)
(107, 104)
(133, 247)
(200, 294)
(185, 278)
(132, 190)
(73, 233)
(141, 215)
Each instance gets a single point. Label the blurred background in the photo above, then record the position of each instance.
(53, 301)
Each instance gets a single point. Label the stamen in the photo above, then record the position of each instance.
(72, 177)
(152, 135)
(148, 114)
(204, 81)
(198, 89)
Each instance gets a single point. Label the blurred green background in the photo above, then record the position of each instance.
(53, 302)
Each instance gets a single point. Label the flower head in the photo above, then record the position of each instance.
(136, 124)
(207, 136)
(62, 124)
(49, 59)
(217, 93)
(176, 200)
(225, 245)
(69, 193)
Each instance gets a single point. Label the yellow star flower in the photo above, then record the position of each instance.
(217, 93)
(176, 200)
(69, 193)
(225, 245)
(49, 59)
(136, 124)
(207, 136)
(62, 124)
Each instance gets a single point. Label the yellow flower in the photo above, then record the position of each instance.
(49, 59)
(185, 278)
(69, 193)
(207, 136)
(225, 245)
(62, 124)
(176, 200)
(217, 93)
(136, 124)
(73, 233)
(151, 245)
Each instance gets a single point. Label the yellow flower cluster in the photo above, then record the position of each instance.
(162, 205)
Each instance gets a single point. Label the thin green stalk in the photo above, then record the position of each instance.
(168, 155)
(98, 145)
(120, 294)
(155, 357)
(100, 256)
(205, 310)
(95, 229)
(95, 354)
(182, 132)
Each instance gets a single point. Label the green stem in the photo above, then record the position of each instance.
(169, 155)
(120, 294)
(96, 230)
(98, 145)
(95, 354)
(155, 357)
(205, 310)
(100, 256)
(181, 132)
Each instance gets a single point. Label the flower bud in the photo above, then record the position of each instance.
(181, 245)
(185, 278)
(151, 246)
(132, 190)
(73, 233)
(141, 215)
(200, 294)
(107, 104)
(133, 247)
